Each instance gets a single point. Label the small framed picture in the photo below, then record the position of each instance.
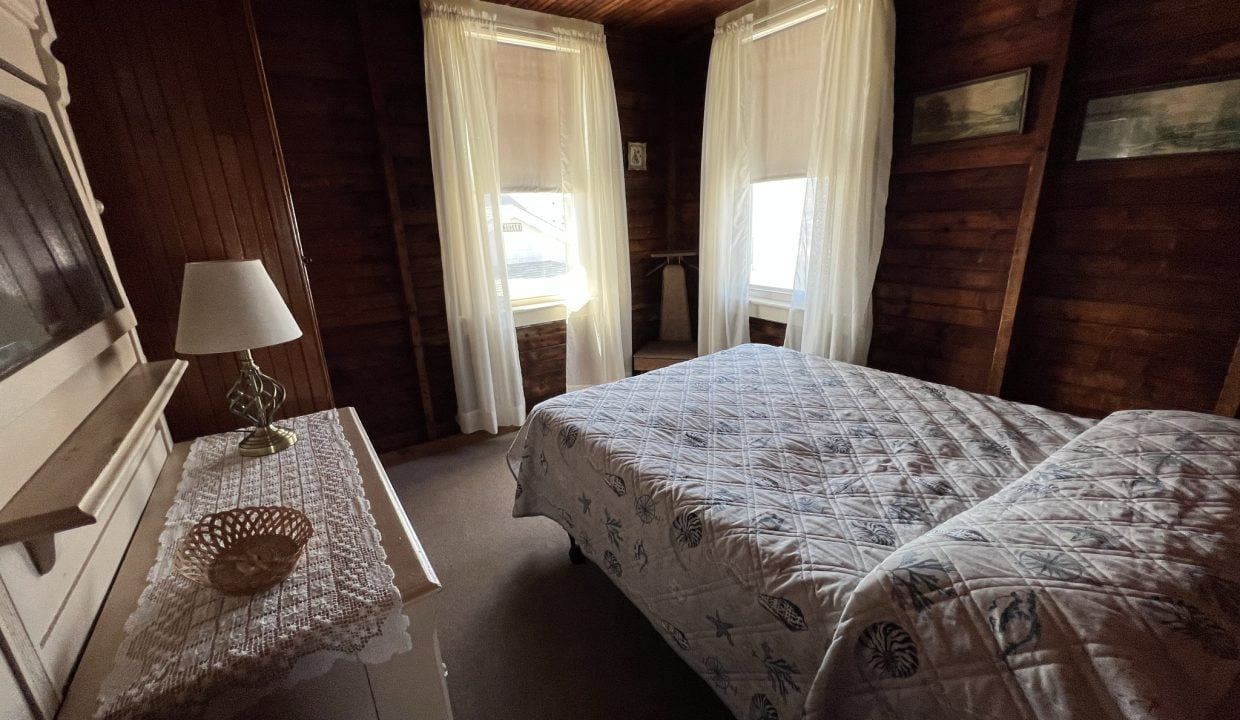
(993, 105)
(637, 156)
(1183, 118)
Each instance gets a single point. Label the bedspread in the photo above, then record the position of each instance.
(739, 499)
(1104, 584)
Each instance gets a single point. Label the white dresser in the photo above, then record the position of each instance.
(410, 686)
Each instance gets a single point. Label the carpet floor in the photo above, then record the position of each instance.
(525, 633)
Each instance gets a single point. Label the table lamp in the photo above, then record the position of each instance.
(233, 306)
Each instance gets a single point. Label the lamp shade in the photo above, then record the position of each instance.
(230, 306)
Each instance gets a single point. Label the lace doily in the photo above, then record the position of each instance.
(190, 651)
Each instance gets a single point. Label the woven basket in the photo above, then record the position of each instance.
(243, 550)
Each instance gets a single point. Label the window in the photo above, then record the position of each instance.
(533, 210)
(536, 244)
(787, 57)
(778, 207)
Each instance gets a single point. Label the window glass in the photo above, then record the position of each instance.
(778, 206)
(536, 243)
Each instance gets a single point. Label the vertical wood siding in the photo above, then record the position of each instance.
(319, 63)
(173, 124)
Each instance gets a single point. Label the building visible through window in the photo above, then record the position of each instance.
(536, 243)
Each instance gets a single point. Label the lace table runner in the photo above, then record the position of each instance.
(190, 651)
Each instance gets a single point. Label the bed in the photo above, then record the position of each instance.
(824, 540)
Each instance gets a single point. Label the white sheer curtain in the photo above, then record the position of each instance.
(461, 101)
(727, 139)
(850, 165)
(798, 89)
(600, 315)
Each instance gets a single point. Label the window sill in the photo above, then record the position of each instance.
(536, 313)
(769, 304)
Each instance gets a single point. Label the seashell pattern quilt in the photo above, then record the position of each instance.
(818, 539)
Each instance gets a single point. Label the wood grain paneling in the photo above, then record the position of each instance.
(680, 15)
(960, 214)
(172, 119)
(543, 354)
(350, 110)
(638, 63)
(350, 105)
(1131, 295)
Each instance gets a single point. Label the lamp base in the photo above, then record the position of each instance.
(267, 441)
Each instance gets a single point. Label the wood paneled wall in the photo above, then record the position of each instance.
(1132, 293)
(346, 86)
(639, 63)
(173, 124)
(1008, 267)
(348, 90)
(959, 214)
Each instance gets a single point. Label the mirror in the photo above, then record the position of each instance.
(52, 279)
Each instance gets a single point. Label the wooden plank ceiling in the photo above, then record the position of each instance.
(667, 14)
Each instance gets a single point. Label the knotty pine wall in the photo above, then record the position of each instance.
(1132, 291)
(169, 111)
(1130, 295)
(347, 87)
(959, 214)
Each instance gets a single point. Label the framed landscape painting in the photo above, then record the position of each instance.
(993, 105)
(1203, 117)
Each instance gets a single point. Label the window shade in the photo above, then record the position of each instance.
(787, 66)
(527, 95)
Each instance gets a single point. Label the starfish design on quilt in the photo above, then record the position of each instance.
(1015, 622)
(723, 628)
(779, 671)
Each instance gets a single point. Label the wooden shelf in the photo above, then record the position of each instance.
(70, 488)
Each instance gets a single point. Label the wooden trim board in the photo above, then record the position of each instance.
(1048, 111)
(71, 487)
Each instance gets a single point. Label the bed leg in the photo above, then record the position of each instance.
(575, 556)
